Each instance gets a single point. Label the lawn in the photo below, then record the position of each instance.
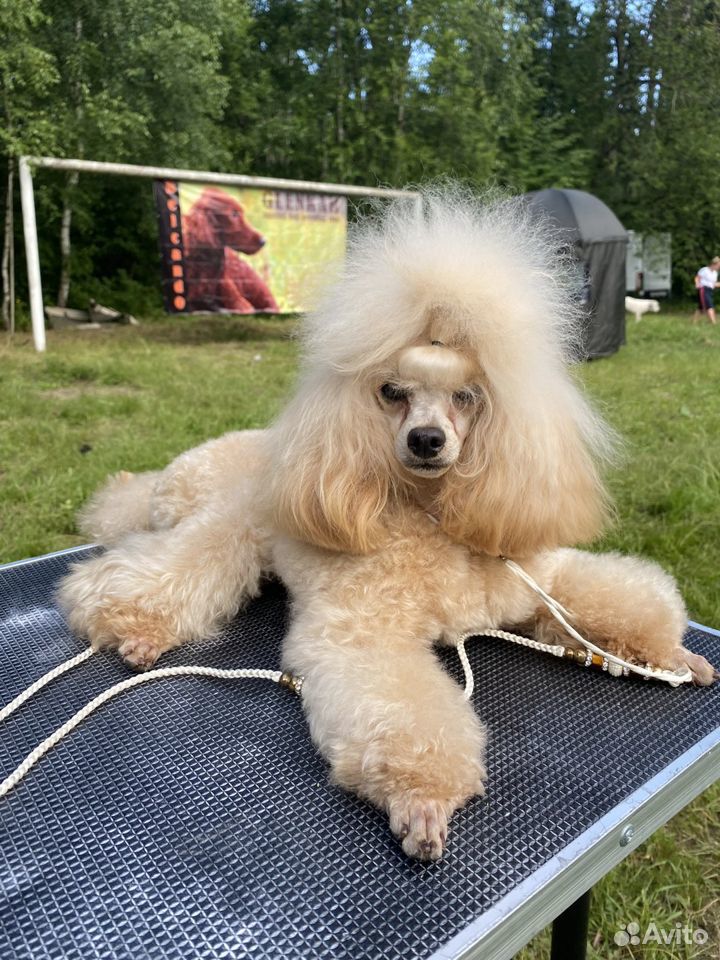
(132, 398)
(123, 397)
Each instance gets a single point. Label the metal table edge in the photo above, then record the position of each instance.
(66, 552)
(510, 923)
(700, 626)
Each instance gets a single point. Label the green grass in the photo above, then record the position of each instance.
(123, 397)
(661, 393)
(134, 397)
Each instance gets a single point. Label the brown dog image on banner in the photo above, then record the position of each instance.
(216, 278)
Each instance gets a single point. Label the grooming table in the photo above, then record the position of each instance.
(192, 818)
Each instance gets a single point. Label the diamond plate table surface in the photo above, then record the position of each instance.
(193, 818)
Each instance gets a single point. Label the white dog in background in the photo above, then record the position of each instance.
(638, 307)
(435, 427)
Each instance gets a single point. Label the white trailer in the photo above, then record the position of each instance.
(648, 267)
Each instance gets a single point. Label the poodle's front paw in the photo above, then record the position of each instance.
(138, 653)
(140, 636)
(421, 825)
(138, 627)
(703, 672)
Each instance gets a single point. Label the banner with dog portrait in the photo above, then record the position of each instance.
(240, 250)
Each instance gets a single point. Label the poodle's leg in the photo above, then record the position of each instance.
(121, 506)
(216, 471)
(159, 589)
(626, 605)
(394, 727)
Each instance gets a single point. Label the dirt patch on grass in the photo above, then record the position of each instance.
(90, 390)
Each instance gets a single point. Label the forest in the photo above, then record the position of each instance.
(613, 97)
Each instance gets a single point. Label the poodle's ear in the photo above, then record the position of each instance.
(528, 478)
(332, 467)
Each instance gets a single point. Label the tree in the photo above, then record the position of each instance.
(89, 111)
(610, 97)
(140, 80)
(27, 76)
(674, 179)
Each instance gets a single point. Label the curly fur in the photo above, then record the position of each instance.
(436, 425)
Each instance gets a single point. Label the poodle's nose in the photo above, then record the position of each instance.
(426, 442)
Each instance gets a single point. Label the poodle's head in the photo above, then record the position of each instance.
(436, 378)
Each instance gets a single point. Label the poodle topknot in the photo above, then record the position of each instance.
(436, 425)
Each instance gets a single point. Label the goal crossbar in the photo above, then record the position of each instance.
(27, 199)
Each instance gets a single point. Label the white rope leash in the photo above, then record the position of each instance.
(39, 684)
(614, 665)
(32, 758)
(555, 649)
(674, 678)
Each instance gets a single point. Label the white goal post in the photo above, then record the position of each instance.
(27, 199)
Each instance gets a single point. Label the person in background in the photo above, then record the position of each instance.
(706, 279)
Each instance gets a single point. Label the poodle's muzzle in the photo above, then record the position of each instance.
(430, 402)
(428, 426)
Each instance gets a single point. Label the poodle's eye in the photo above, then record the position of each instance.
(392, 393)
(464, 398)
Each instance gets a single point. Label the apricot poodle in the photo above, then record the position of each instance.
(435, 427)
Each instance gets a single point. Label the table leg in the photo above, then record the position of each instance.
(570, 931)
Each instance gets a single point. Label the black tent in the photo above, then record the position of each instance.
(598, 241)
